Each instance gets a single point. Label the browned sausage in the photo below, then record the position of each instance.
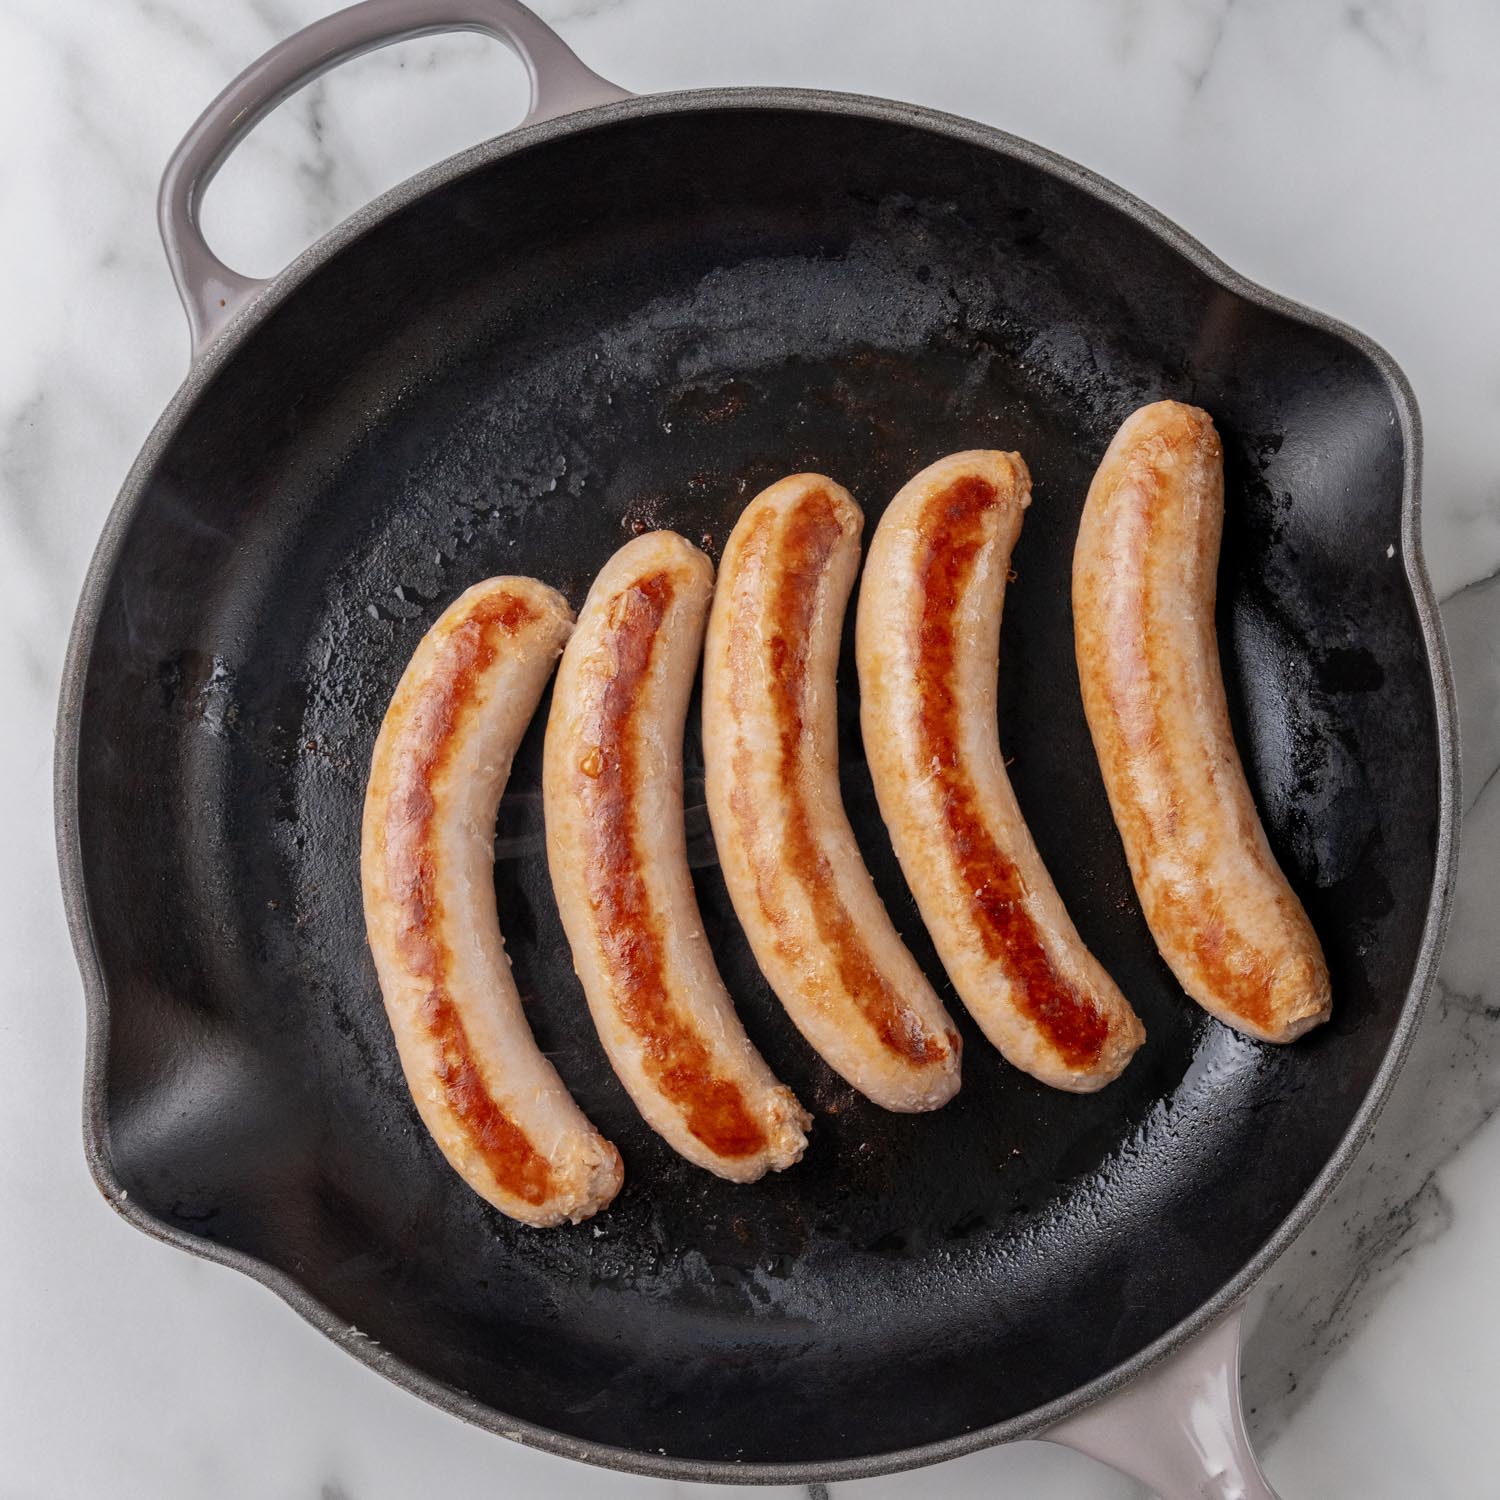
(770, 745)
(618, 854)
(1144, 583)
(928, 644)
(495, 1106)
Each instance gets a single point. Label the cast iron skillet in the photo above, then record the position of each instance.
(637, 316)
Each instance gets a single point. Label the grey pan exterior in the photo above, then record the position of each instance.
(224, 348)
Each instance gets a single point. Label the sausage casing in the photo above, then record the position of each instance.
(495, 1106)
(927, 644)
(618, 854)
(1144, 583)
(807, 903)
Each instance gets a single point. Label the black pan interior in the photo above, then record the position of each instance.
(640, 325)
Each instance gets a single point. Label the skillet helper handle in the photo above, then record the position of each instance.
(211, 292)
(1180, 1427)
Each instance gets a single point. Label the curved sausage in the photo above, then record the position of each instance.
(928, 646)
(770, 747)
(1144, 583)
(494, 1105)
(618, 854)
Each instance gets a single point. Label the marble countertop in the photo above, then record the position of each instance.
(1342, 154)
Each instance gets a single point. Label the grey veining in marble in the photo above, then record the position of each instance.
(1342, 153)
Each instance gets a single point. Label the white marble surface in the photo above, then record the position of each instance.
(1342, 153)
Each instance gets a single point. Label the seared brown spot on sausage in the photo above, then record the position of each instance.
(955, 521)
(675, 1055)
(809, 538)
(510, 1156)
(463, 657)
(1235, 970)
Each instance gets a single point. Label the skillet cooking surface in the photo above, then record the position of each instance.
(640, 325)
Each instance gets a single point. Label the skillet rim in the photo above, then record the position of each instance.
(97, 1147)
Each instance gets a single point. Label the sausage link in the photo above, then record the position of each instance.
(770, 745)
(495, 1106)
(928, 646)
(1144, 583)
(618, 853)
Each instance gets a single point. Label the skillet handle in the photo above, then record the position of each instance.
(1180, 1427)
(211, 292)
